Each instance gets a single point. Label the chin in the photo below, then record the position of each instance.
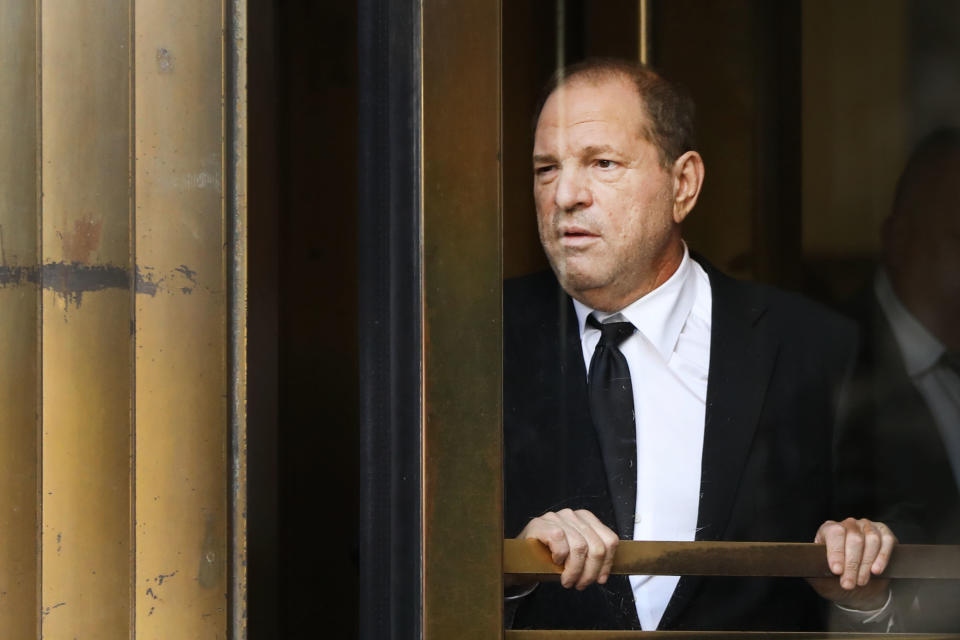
(577, 283)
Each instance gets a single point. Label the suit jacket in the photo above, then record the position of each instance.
(776, 364)
(902, 473)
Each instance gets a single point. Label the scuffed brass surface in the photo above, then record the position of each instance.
(181, 321)
(116, 236)
(86, 340)
(19, 329)
(462, 493)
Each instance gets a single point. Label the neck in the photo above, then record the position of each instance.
(612, 298)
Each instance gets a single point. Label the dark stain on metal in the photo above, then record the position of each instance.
(164, 576)
(16, 275)
(165, 60)
(187, 272)
(72, 279)
(190, 275)
(46, 610)
(83, 240)
(144, 282)
(149, 592)
(150, 613)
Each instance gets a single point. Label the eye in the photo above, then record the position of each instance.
(544, 169)
(603, 163)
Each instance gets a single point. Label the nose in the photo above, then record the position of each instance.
(573, 192)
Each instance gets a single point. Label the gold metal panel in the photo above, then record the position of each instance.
(462, 525)
(181, 319)
(797, 559)
(19, 355)
(86, 492)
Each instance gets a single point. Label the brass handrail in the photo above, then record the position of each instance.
(716, 635)
(784, 559)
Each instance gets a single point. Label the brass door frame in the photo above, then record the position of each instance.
(430, 314)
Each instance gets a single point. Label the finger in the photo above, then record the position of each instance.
(871, 547)
(820, 538)
(579, 548)
(596, 550)
(853, 552)
(549, 530)
(887, 542)
(610, 541)
(832, 535)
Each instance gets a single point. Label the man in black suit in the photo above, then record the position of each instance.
(709, 409)
(904, 405)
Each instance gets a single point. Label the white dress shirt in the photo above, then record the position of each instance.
(922, 353)
(669, 357)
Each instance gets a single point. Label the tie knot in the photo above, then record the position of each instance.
(612, 333)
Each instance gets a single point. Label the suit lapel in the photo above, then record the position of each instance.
(741, 361)
(579, 477)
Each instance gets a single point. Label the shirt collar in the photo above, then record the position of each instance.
(658, 315)
(920, 349)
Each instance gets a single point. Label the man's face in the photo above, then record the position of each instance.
(605, 205)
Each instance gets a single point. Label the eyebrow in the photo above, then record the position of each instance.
(598, 149)
(592, 150)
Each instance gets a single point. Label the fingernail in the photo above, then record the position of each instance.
(837, 568)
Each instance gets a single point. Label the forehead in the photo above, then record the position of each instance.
(586, 107)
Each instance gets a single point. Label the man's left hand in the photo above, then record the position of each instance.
(857, 550)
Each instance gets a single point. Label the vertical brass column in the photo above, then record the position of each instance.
(462, 503)
(19, 380)
(644, 34)
(181, 321)
(122, 319)
(87, 320)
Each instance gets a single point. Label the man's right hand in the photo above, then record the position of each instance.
(578, 542)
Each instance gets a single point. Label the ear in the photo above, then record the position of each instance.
(688, 175)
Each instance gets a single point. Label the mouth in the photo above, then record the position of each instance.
(576, 236)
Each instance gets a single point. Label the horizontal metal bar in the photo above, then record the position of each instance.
(715, 635)
(788, 559)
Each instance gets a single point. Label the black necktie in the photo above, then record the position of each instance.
(611, 406)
